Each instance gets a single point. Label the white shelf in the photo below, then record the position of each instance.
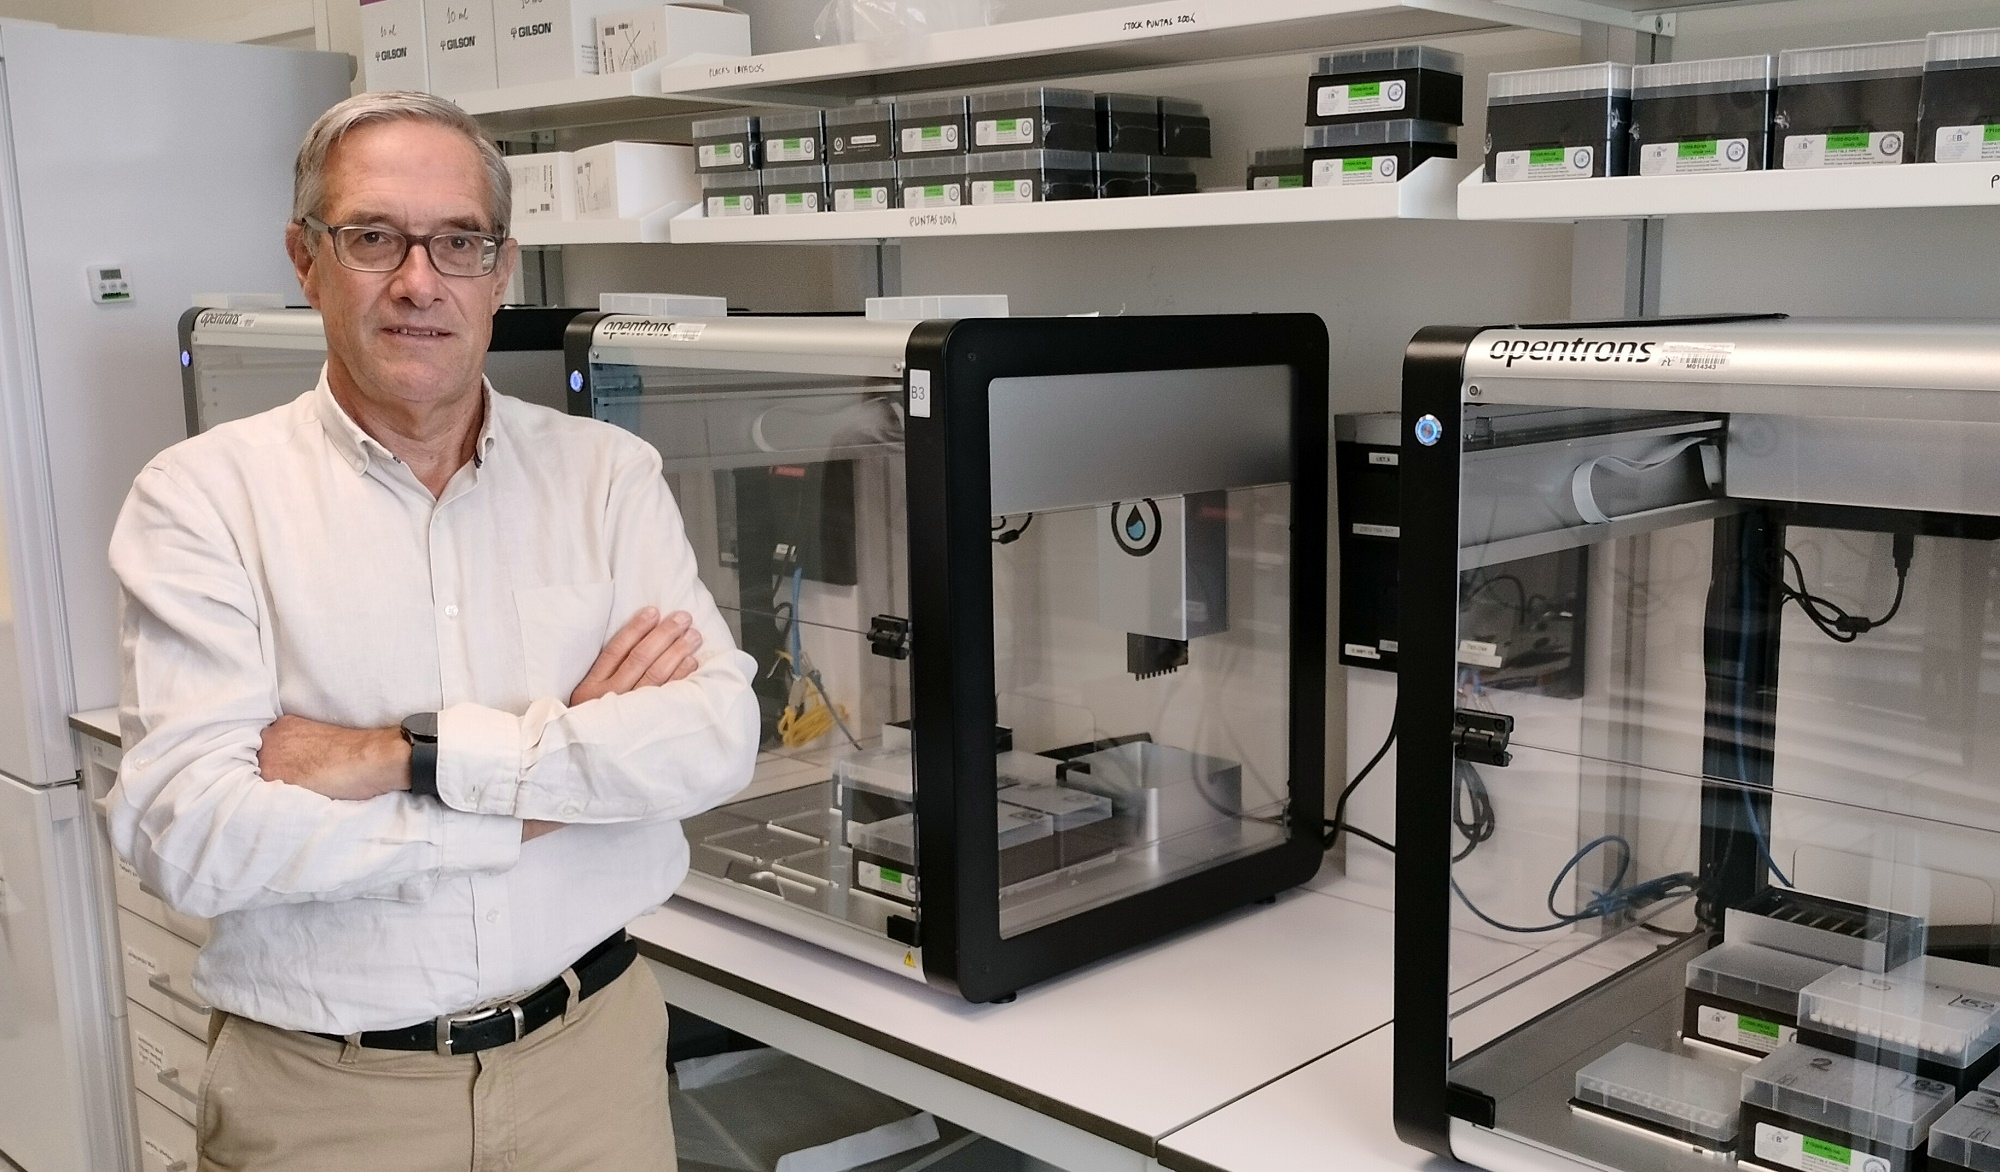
(1115, 39)
(1425, 195)
(1913, 185)
(579, 101)
(649, 229)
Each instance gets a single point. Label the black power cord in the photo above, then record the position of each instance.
(1002, 535)
(1471, 807)
(1832, 619)
(1335, 825)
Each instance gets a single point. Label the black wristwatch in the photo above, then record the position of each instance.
(421, 731)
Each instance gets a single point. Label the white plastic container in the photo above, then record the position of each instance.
(933, 307)
(1671, 1093)
(544, 186)
(1968, 1136)
(627, 180)
(392, 46)
(1903, 1012)
(663, 304)
(458, 46)
(629, 38)
(1802, 1105)
(546, 40)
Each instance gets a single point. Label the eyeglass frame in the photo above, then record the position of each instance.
(410, 241)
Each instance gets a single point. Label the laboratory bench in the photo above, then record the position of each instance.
(1258, 1041)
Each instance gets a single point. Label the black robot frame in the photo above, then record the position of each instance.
(1740, 651)
(954, 706)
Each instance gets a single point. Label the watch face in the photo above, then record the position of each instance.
(421, 726)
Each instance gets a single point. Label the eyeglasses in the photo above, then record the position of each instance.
(370, 248)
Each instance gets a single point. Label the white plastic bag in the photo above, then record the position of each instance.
(896, 23)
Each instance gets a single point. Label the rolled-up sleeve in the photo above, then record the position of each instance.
(660, 752)
(191, 812)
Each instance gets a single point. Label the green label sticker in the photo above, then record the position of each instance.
(1003, 186)
(1006, 125)
(736, 201)
(792, 144)
(1698, 150)
(1993, 132)
(1363, 164)
(1545, 156)
(795, 198)
(1825, 1150)
(892, 875)
(1847, 142)
(932, 132)
(1752, 1025)
(1291, 181)
(934, 192)
(1365, 89)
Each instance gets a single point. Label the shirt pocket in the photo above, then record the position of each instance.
(562, 630)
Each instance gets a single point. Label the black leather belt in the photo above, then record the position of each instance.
(483, 1029)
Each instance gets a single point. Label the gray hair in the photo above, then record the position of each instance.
(309, 173)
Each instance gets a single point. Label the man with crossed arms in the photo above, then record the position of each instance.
(419, 682)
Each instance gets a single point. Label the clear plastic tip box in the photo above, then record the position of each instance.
(1037, 607)
(1677, 765)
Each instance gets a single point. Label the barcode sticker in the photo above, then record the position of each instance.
(1696, 355)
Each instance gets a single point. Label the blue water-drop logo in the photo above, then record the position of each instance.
(575, 380)
(1429, 430)
(1135, 525)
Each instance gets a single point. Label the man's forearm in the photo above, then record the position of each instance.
(351, 764)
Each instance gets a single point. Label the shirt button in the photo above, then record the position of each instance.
(451, 612)
(572, 808)
(492, 917)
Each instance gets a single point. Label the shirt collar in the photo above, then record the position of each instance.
(358, 449)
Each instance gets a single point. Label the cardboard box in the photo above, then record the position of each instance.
(544, 186)
(458, 40)
(627, 180)
(547, 40)
(633, 37)
(392, 45)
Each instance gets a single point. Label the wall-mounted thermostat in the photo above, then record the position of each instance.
(108, 283)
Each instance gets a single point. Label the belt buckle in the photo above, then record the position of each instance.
(445, 1022)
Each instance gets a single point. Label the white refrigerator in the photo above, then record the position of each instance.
(134, 174)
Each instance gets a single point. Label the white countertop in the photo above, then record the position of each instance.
(1333, 1115)
(101, 723)
(1131, 1048)
(1143, 1042)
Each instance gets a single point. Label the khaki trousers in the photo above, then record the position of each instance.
(582, 1094)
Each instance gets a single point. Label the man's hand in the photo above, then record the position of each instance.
(647, 651)
(350, 764)
(533, 828)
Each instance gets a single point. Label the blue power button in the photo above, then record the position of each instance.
(186, 358)
(575, 380)
(1429, 430)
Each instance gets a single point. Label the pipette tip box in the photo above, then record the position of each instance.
(1745, 997)
(1671, 1095)
(1904, 1019)
(1805, 1108)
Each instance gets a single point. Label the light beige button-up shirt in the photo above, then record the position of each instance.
(287, 563)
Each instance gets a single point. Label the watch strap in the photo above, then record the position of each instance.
(421, 733)
(424, 768)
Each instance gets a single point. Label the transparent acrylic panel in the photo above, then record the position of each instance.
(1142, 663)
(1740, 999)
(1753, 804)
(236, 382)
(791, 489)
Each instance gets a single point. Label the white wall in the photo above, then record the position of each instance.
(301, 24)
